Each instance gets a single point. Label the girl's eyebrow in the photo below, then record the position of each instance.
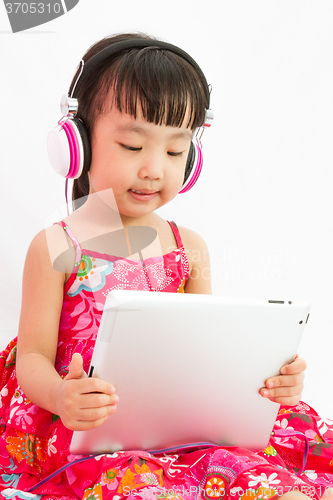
(138, 129)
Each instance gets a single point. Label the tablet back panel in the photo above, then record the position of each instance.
(188, 368)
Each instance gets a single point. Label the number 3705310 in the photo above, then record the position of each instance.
(32, 8)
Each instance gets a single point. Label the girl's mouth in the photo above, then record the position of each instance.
(143, 195)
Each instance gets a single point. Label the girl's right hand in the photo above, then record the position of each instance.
(84, 403)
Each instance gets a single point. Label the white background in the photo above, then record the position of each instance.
(264, 200)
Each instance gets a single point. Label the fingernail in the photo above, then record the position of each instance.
(270, 385)
(264, 393)
(283, 370)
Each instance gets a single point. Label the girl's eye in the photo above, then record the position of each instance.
(173, 153)
(130, 148)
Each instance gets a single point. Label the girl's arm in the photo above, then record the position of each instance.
(80, 402)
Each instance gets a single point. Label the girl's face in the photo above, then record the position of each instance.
(143, 163)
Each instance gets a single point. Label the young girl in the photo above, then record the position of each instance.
(140, 106)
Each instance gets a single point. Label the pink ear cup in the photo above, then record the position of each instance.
(71, 144)
(75, 167)
(65, 150)
(196, 169)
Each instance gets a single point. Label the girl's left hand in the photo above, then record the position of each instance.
(286, 389)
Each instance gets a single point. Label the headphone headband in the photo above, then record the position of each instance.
(82, 72)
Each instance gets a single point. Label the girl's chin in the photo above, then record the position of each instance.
(140, 205)
(137, 210)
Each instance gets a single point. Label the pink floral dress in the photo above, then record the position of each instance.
(34, 443)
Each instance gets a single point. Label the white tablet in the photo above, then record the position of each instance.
(188, 368)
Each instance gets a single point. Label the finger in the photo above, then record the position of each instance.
(75, 369)
(94, 385)
(98, 400)
(86, 425)
(297, 366)
(285, 381)
(287, 401)
(282, 392)
(295, 369)
(95, 414)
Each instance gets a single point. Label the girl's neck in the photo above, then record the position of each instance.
(99, 227)
(100, 212)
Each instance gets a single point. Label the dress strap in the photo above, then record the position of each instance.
(77, 246)
(176, 233)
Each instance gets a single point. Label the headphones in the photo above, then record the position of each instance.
(68, 145)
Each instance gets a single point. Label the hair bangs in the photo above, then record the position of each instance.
(164, 86)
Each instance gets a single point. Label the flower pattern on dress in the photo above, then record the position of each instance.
(325, 424)
(110, 478)
(263, 480)
(91, 275)
(50, 446)
(3, 395)
(216, 486)
(81, 318)
(284, 440)
(311, 474)
(11, 359)
(23, 416)
(17, 494)
(149, 478)
(94, 493)
(313, 436)
(27, 447)
(180, 289)
(270, 450)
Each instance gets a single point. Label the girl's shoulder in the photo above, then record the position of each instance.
(191, 240)
(52, 247)
(199, 263)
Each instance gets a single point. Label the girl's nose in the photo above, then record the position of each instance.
(151, 172)
(151, 168)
